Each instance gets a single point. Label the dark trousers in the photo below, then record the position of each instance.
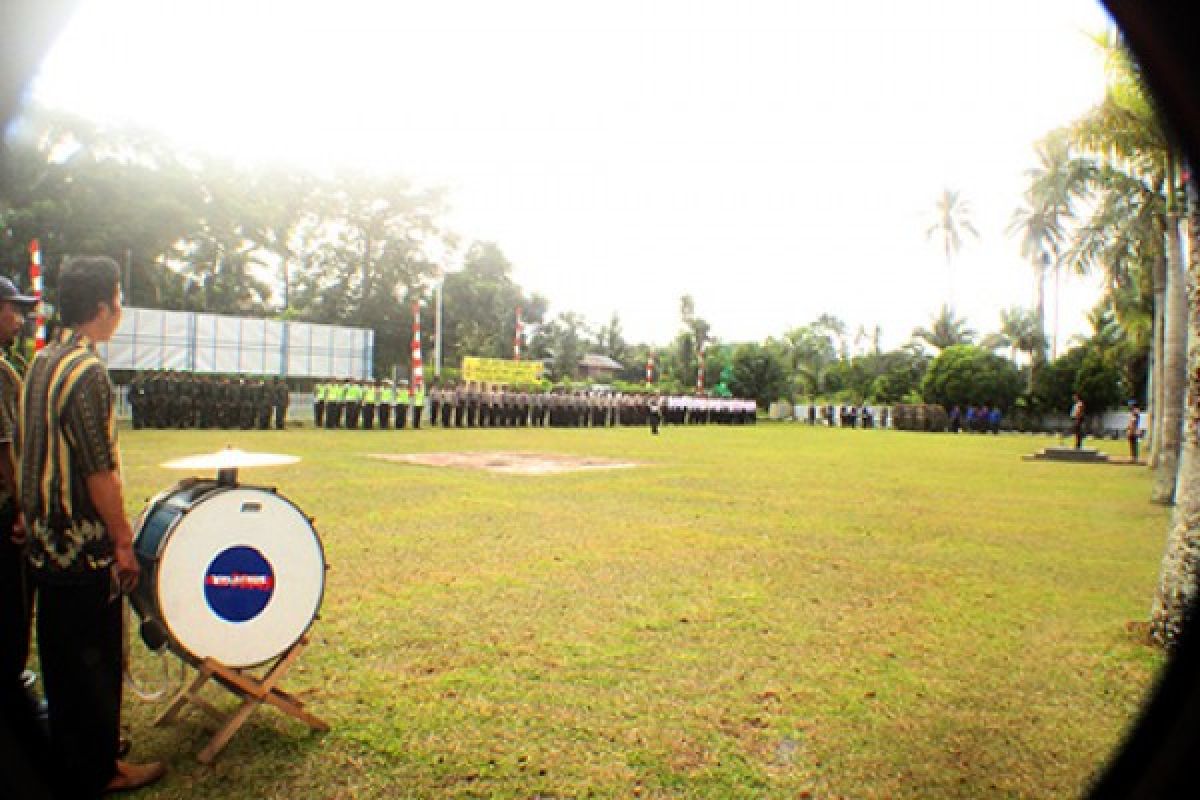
(433, 414)
(1078, 431)
(280, 417)
(446, 411)
(401, 416)
(385, 416)
(458, 416)
(16, 600)
(1133, 448)
(654, 420)
(368, 414)
(319, 413)
(352, 410)
(79, 643)
(417, 411)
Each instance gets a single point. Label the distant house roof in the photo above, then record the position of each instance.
(597, 361)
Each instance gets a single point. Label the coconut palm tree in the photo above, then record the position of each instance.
(946, 330)
(1177, 583)
(1125, 137)
(952, 219)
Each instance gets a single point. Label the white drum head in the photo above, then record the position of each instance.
(241, 577)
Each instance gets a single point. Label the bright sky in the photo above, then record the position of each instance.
(774, 159)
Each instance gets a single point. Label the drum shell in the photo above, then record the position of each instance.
(163, 520)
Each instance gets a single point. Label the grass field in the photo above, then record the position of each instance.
(774, 611)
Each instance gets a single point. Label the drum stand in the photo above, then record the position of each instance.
(253, 691)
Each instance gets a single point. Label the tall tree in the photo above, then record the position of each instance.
(952, 219)
(946, 330)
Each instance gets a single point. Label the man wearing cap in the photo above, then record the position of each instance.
(16, 588)
(80, 543)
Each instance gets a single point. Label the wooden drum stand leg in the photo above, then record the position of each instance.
(253, 690)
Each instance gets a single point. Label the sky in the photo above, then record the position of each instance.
(776, 160)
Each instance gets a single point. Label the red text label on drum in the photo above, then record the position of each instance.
(258, 583)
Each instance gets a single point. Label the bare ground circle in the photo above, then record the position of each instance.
(507, 463)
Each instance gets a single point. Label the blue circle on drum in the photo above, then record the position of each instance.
(238, 584)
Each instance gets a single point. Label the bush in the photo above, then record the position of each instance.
(966, 375)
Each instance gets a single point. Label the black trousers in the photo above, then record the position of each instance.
(385, 416)
(280, 417)
(352, 410)
(417, 411)
(319, 414)
(368, 415)
(433, 415)
(79, 643)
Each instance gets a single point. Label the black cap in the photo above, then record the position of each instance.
(8, 292)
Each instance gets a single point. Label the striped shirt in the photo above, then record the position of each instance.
(67, 433)
(10, 394)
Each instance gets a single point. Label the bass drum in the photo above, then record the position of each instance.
(235, 573)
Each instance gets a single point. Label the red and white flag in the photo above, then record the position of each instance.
(35, 280)
(418, 373)
(649, 368)
(700, 371)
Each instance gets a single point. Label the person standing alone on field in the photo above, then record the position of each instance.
(1133, 431)
(1077, 414)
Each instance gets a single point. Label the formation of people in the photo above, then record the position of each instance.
(174, 399)
(976, 419)
(848, 416)
(469, 404)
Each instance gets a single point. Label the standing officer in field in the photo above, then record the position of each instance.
(418, 405)
(387, 399)
(319, 405)
(369, 404)
(402, 403)
(352, 402)
(280, 397)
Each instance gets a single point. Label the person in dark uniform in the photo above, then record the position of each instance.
(319, 405)
(280, 397)
(387, 399)
(370, 401)
(18, 719)
(1077, 417)
(137, 408)
(264, 402)
(1133, 430)
(460, 404)
(418, 405)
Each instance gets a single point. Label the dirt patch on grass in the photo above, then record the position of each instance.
(507, 463)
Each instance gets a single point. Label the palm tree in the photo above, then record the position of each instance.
(1177, 576)
(1125, 137)
(946, 330)
(952, 218)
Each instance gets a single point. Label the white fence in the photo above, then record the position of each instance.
(200, 342)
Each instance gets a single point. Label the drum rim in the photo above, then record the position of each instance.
(173, 640)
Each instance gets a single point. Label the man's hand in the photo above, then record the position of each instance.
(127, 568)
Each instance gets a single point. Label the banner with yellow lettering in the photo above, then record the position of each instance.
(500, 370)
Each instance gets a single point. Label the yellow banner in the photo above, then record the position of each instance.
(499, 370)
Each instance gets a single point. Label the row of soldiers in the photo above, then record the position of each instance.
(174, 399)
(352, 404)
(471, 404)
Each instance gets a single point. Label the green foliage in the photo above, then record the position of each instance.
(758, 373)
(1083, 369)
(969, 375)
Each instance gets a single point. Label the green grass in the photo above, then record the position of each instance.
(757, 612)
